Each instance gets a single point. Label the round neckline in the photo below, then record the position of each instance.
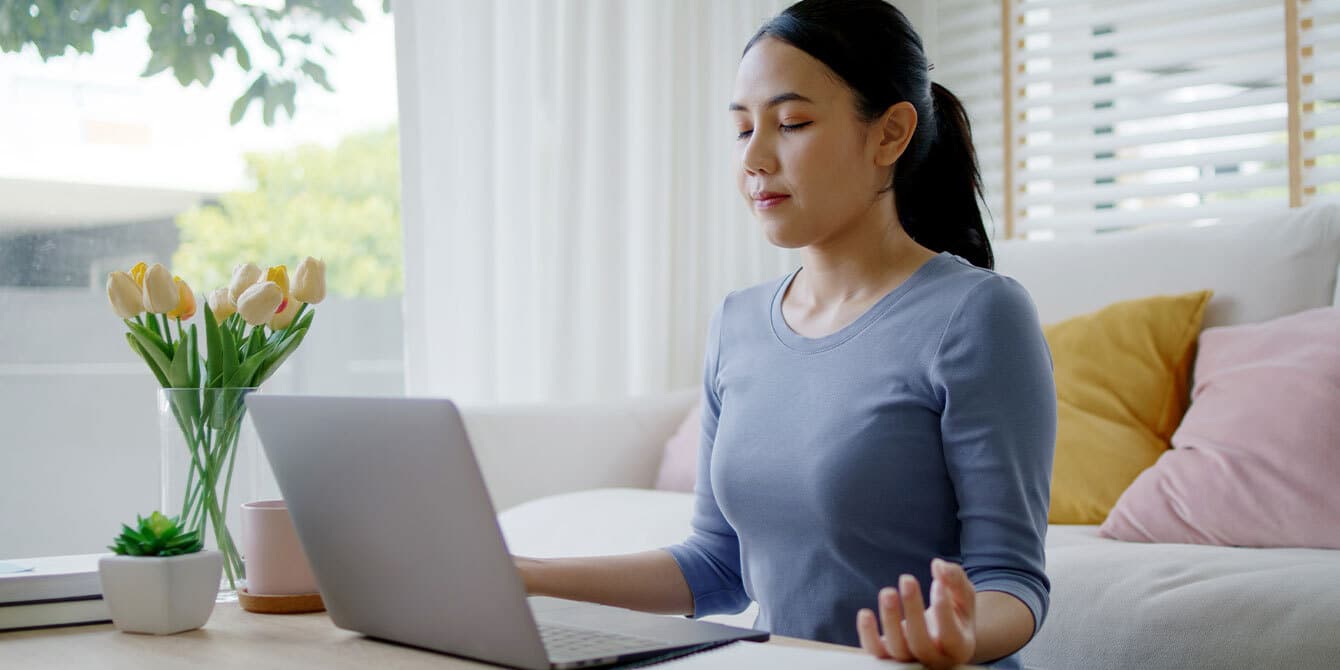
(795, 341)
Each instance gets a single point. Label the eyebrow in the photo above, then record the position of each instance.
(773, 101)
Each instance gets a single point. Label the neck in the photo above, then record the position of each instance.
(861, 260)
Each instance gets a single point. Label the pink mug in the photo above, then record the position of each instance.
(275, 562)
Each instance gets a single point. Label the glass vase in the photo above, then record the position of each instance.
(210, 464)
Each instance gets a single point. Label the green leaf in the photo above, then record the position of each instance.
(278, 358)
(243, 56)
(158, 374)
(179, 372)
(229, 347)
(194, 339)
(270, 41)
(317, 74)
(159, 60)
(213, 346)
(159, 360)
(240, 105)
(244, 373)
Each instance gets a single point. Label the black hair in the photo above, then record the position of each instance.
(872, 47)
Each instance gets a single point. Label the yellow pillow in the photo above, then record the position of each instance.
(1121, 390)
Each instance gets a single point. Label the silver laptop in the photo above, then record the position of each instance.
(391, 509)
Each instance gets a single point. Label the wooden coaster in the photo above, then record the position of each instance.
(295, 604)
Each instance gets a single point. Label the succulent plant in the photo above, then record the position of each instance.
(157, 535)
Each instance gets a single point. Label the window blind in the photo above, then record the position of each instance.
(964, 45)
(1318, 33)
(1146, 112)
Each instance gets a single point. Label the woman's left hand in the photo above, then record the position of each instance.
(940, 636)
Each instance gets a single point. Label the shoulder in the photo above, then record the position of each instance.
(982, 297)
(752, 302)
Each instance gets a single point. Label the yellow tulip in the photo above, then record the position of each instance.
(258, 304)
(279, 275)
(161, 294)
(309, 281)
(124, 295)
(137, 273)
(286, 314)
(244, 277)
(185, 308)
(221, 303)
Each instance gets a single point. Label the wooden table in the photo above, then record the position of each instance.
(235, 638)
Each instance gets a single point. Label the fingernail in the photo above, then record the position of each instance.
(886, 597)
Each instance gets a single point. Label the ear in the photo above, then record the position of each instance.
(893, 131)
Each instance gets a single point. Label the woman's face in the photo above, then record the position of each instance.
(806, 163)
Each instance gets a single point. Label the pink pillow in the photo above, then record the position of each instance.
(679, 463)
(1256, 460)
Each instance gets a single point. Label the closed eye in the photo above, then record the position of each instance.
(786, 128)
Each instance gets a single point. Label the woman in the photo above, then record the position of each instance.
(882, 418)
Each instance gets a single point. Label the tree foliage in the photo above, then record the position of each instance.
(189, 37)
(341, 205)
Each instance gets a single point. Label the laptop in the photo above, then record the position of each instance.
(391, 509)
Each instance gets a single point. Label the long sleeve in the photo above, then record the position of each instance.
(993, 373)
(710, 557)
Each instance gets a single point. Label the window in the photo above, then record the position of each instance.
(99, 169)
(1145, 113)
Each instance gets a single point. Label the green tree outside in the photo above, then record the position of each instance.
(341, 205)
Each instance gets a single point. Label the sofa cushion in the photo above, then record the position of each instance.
(1121, 388)
(1257, 457)
(1114, 604)
(679, 461)
(1258, 270)
(1136, 605)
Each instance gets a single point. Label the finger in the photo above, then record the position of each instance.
(950, 633)
(868, 630)
(891, 614)
(914, 613)
(965, 594)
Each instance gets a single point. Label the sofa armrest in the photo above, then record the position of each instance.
(531, 451)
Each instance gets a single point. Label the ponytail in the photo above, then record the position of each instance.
(937, 195)
(872, 47)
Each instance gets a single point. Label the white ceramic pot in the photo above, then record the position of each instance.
(163, 595)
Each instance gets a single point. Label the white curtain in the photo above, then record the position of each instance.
(569, 204)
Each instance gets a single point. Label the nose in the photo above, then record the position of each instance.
(757, 156)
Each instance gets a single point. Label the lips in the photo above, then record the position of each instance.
(766, 199)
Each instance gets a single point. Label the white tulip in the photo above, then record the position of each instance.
(257, 304)
(309, 281)
(244, 277)
(160, 292)
(221, 303)
(124, 295)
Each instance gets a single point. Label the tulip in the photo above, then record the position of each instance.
(124, 295)
(161, 294)
(137, 273)
(279, 275)
(185, 308)
(285, 315)
(257, 304)
(244, 277)
(309, 281)
(221, 303)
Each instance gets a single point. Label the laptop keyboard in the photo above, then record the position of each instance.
(563, 642)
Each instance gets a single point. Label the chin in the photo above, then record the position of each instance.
(779, 234)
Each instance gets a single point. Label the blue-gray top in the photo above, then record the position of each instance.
(830, 466)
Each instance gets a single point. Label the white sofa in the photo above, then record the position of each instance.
(575, 480)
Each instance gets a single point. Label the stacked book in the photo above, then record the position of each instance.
(51, 591)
